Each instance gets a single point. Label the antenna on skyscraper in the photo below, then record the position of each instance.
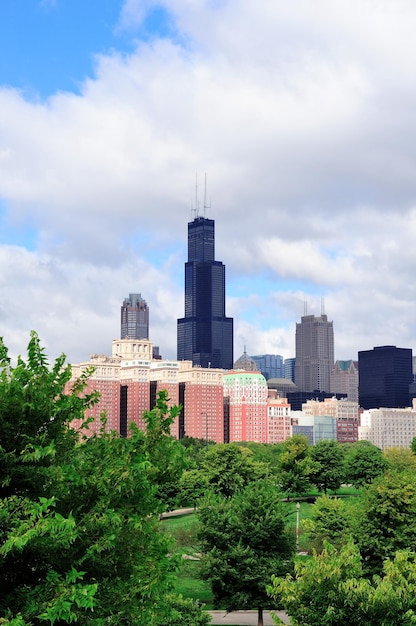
(322, 305)
(196, 196)
(206, 206)
(305, 307)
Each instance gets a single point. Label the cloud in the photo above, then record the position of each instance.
(302, 115)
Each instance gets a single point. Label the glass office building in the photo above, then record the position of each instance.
(384, 376)
(205, 334)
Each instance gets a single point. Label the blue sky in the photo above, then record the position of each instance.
(302, 116)
(50, 45)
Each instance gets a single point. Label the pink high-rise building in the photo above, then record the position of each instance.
(246, 399)
(279, 417)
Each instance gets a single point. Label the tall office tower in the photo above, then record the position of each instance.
(134, 318)
(205, 334)
(314, 353)
(384, 376)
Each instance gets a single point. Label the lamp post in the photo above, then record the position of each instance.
(297, 525)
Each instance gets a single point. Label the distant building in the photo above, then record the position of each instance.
(314, 427)
(246, 397)
(270, 365)
(384, 376)
(205, 334)
(134, 318)
(246, 363)
(314, 353)
(279, 417)
(389, 427)
(289, 368)
(345, 413)
(344, 379)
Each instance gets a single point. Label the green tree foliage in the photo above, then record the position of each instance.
(193, 485)
(244, 540)
(229, 467)
(329, 590)
(328, 471)
(330, 521)
(364, 462)
(400, 459)
(182, 612)
(413, 445)
(295, 465)
(79, 529)
(386, 520)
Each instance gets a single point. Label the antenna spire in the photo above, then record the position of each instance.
(206, 206)
(196, 196)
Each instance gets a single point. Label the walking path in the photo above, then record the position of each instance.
(245, 618)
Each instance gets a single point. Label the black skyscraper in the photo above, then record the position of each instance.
(205, 334)
(384, 376)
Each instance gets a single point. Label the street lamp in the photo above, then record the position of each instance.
(297, 525)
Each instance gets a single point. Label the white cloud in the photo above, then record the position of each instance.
(302, 115)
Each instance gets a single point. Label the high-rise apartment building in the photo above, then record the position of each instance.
(205, 334)
(384, 376)
(314, 353)
(246, 395)
(134, 318)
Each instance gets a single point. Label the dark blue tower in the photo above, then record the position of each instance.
(384, 376)
(205, 334)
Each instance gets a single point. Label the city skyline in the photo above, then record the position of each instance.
(301, 116)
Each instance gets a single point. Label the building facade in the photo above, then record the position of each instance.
(246, 396)
(314, 353)
(384, 376)
(205, 334)
(344, 379)
(270, 365)
(134, 318)
(346, 416)
(389, 428)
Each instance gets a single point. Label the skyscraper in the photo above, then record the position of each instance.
(205, 334)
(134, 318)
(384, 376)
(314, 353)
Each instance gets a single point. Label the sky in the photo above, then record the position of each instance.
(299, 115)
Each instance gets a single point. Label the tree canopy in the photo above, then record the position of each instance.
(79, 519)
(329, 589)
(244, 540)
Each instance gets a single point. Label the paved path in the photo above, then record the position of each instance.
(245, 618)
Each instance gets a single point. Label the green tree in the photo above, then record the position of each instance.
(413, 445)
(400, 459)
(79, 528)
(329, 590)
(386, 518)
(229, 467)
(193, 486)
(364, 462)
(244, 540)
(295, 465)
(330, 521)
(328, 471)
(183, 612)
